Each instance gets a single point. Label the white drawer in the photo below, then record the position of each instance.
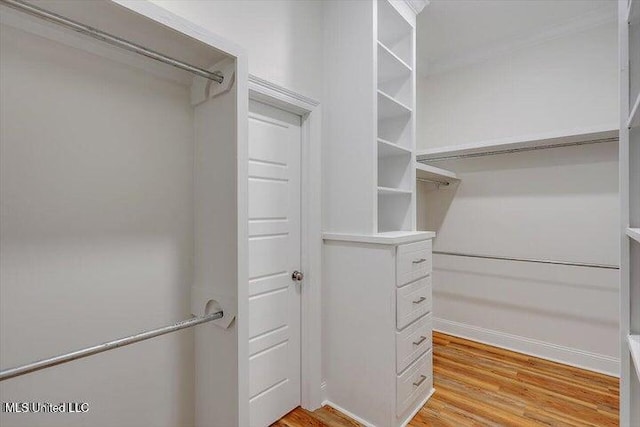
(413, 301)
(414, 383)
(412, 342)
(413, 261)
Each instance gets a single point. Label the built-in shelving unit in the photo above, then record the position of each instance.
(370, 214)
(395, 127)
(371, 128)
(629, 166)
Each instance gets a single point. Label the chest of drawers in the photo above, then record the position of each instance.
(377, 346)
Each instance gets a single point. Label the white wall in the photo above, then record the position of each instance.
(283, 37)
(562, 84)
(96, 234)
(559, 204)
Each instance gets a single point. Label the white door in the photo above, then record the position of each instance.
(274, 254)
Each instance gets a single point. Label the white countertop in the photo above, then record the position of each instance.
(388, 238)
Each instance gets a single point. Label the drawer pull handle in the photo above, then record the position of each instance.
(419, 300)
(419, 383)
(420, 341)
(419, 261)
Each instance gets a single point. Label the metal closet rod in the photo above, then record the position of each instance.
(534, 260)
(433, 181)
(424, 158)
(110, 345)
(110, 39)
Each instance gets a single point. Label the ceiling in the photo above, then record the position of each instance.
(453, 32)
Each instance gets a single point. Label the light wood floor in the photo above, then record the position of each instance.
(480, 385)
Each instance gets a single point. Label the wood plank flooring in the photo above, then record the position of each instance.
(480, 385)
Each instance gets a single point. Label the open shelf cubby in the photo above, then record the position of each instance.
(389, 107)
(396, 130)
(395, 172)
(389, 149)
(394, 209)
(394, 76)
(395, 32)
(390, 65)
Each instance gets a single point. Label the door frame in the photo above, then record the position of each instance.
(310, 231)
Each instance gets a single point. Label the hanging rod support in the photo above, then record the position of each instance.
(110, 39)
(538, 261)
(110, 345)
(427, 158)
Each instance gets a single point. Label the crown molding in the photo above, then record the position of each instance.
(417, 5)
(278, 92)
(576, 25)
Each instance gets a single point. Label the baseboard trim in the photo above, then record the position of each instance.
(569, 356)
(367, 423)
(417, 408)
(348, 414)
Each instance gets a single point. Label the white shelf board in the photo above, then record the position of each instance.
(634, 349)
(390, 66)
(634, 233)
(386, 238)
(433, 173)
(387, 191)
(388, 107)
(528, 141)
(389, 149)
(634, 116)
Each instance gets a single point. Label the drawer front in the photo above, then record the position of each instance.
(414, 383)
(413, 301)
(413, 262)
(413, 341)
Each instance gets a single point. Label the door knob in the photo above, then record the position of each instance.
(297, 276)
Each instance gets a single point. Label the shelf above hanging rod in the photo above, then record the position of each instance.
(110, 39)
(508, 146)
(5, 374)
(532, 260)
(434, 175)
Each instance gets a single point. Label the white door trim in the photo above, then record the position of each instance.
(311, 232)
